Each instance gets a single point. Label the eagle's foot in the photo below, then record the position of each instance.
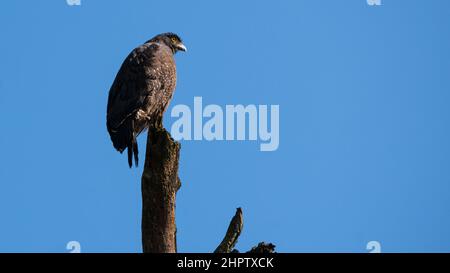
(159, 124)
(156, 124)
(140, 114)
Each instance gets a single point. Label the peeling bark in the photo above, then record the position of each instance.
(160, 184)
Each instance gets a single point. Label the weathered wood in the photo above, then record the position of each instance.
(263, 248)
(234, 231)
(232, 235)
(160, 184)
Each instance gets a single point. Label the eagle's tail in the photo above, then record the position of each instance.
(125, 138)
(133, 148)
(130, 155)
(135, 151)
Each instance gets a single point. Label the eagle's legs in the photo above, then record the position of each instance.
(155, 122)
(155, 126)
(159, 123)
(141, 114)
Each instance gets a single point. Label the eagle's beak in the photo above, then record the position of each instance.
(181, 47)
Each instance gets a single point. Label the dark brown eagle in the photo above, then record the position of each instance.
(142, 91)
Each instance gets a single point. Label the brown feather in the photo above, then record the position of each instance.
(144, 84)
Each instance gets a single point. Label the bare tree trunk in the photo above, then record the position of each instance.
(160, 184)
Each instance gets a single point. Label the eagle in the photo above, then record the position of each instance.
(141, 92)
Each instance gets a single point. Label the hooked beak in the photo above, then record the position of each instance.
(181, 47)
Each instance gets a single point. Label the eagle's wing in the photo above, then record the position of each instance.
(134, 84)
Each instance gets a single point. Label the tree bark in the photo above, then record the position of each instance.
(234, 231)
(160, 184)
(232, 235)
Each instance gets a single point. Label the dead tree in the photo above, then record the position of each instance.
(160, 183)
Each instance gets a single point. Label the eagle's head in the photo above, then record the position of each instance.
(171, 40)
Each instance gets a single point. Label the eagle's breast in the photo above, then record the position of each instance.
(161, 74)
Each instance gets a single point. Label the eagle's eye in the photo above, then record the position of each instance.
(174, 40)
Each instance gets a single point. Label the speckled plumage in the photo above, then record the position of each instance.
(142, 91)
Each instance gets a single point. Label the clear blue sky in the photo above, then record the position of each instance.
(364, 97)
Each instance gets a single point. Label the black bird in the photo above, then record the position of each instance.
(142, 91)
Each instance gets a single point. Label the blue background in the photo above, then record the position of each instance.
(364, 98)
